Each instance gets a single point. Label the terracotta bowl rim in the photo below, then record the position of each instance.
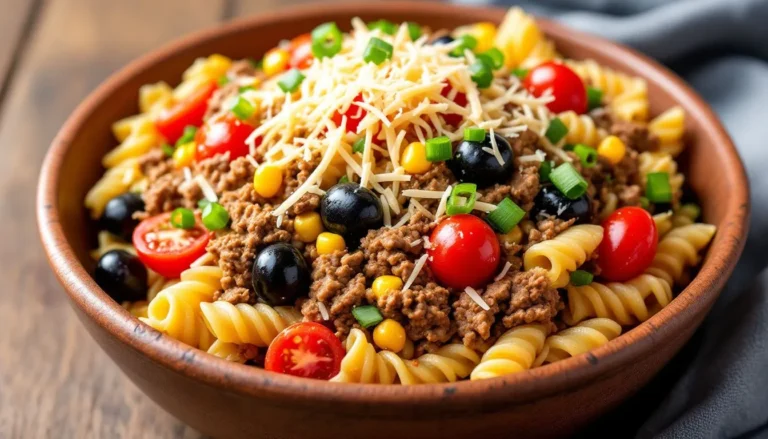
(537, 383)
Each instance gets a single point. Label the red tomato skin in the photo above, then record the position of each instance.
(224, 134)
(567, 87)
(464, 252)
(171, 122)
(301, 52)
(354, 114)
(460, 99)
(629, 244)
(168, 264)
(320, 340)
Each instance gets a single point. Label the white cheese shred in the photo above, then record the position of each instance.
(387, 213)
(476, 298)
(207, 189)
(416, 269)
(504, 271)
(323, 310)
(187, 174)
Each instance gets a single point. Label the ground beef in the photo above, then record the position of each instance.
(338, 283)
(547, 229)
(238, 70)
(424, 311)
(168, 192)
(438, 178)
(524, 186)
(635, 135)
(525, 144)
(519, 297)
(155, 164)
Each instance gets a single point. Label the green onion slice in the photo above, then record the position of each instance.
(466, 41)
(326, 40)
(481, 72)
(544, 170)
(367, 315)
(245, 88)
(474, 134)
(657, 187)
(414, 30)
(291, 81)
(377, 51)
(167, 150)
(496, 57)
(556, 130)
(359, 145)
(344, 179)
(243, 109)
(506, 215)
(587, 155)
(580, 278)
(183, 218)
(202, 203)
(520, 73)
(187, 136)
(222, 81)
(594, 98)
(468, 190)
(215, 216)
(439, 149)
(568, 181)
(385, 26)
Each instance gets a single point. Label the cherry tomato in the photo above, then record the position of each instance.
(629, 244)
(171, 122)
(464, 252)
(168, 250)
(305, 349)
(354, 115)
(566, 86)
(460, 99)
(301, 52)
(224, 134)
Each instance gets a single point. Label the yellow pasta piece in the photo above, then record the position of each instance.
(516, 36)
(648, 162)
(565, 253)
(581, 129)
(115, 181)
(669, 127)
(587, 335)
(679, 249)
(632, 104)
(516, 350)
(242, 323)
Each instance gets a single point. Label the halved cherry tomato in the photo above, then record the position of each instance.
(168, 250)
(171, 122)
(305, 349)
(224, 134)
(460, 99)
(301, 52)
(464, 252)
(354, 115)
(629, 244)
(565, 85)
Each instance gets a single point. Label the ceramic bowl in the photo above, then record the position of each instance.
(232, 400)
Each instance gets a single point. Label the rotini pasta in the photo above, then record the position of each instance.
(663, 223)
(669, 127)
(242, 323)
(632, 104)
(685, 215)
(116, 181)
(233, 352)
(516, 350)
(587, 335)
(679, 249)
(609, 81)
(176, 312)
(565, 253)
(581, 129)
(518, 36)
(661, 162)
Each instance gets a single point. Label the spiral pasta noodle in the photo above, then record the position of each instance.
(610, 203)
(362, 364)
(609, 81)
(669, 127)
(627, 303)
(649, 162)
(587, 335)
(581, 129)
(543, 51)
(632, 104)
(679, 249)
(227, 351)
(519, 37)
(685, 215)
(663, 223)
(116, 181)
(565, 253)
(516, 350)
(242, 323)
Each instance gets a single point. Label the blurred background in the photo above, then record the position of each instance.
(55, 382)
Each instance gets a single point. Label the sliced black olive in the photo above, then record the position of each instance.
(351, 211)
(472, 164)
(550, 202)
(118, 214)
(280, 275)
(122, 276)
(445, 39)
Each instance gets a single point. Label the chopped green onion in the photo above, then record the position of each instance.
(222, 81)
(326, 40)
(377, 51)
(544, 170)
(568, 181)
(506, 215)
(587, 155)
(657, 188)
(644, 203)
(243, 109)
(495, 56)
(167, 150)
(202, 203)
(187, 136)
(344, 179)
(385, 26)
(594, 98)
(474, 134)
(556, 130)
(466, 41)
(359, 145)
(439, 149)
(182, 218)
(481, 72)
(520, 73)
(291, 81)
(367, 315)
(245, 88)
(215, 216)
(580, 278)
(414, 30)
(466, 189)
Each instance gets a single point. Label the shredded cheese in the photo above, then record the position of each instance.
(484, 207)
(476, 298)
(387, 213)
(252, 160)
(443, 202)
(208, 192)
(538, 156)
(421, 193)
(416, 270)
(323, 310)
(187, 174)
(504, 271)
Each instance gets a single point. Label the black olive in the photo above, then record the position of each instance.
(473, 165)
(280, 275)
(445, 39)
(122, 276)
(351, 210)
(551, 202)
(118, 214)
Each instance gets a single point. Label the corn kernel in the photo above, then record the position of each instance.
(612, 149)
(267, 180)
(414, 159)
(308, 226)
(484, 33)
(384, 284)
(328, 243)
(184, 155)
(276, 61)
(514, 236)
(389, 335)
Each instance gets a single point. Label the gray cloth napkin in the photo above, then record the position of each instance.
(718, 385)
